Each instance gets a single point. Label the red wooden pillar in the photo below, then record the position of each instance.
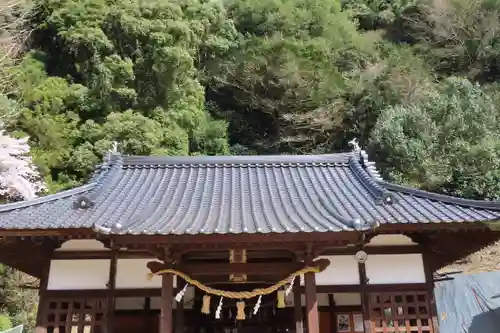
(179, 311)
(41, 315)
(333, 316)
(311, 303)
(167, 286)
(110, 307)
(365, 298)
(429, 280)
(297, 300)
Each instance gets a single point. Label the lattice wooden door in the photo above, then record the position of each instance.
(398, 312)
(75, 315)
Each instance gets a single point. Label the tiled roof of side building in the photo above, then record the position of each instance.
(239, 194)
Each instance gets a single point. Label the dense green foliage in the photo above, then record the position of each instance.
(413, 79)
(5, 322)
(17, 307)
(448, 142)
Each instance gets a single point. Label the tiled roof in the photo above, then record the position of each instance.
(239, 194)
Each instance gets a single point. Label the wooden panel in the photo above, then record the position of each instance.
(134, 323)
(325, 322)
(403, 312)
(75, 315)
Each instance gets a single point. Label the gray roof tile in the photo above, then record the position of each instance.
(239, 194)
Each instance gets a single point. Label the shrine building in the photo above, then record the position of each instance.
(240, 244)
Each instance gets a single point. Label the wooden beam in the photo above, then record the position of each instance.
(41, 326)
(167, 286)
(229, 268)
(252, 280)
(84, 255)
(356, 288)
(244, 241)
(282, 268)
(311, 303)
(333, 315)
(247, 240)
(166, 321)
(110, 313)
(429, 279)
(297, 300)
(147, 312)
(179, 311)
(379, 249)
(138, 292)
(365, 298)
(256, 254)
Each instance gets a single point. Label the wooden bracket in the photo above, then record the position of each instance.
(237, 268)
(168, 257)
(306, 254)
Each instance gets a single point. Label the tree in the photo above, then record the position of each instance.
(449, 142)
(281, 85)
(124, 71)
(379, 14)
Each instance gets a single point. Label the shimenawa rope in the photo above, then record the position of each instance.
(236, 294)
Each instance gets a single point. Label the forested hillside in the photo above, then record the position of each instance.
(415, 81)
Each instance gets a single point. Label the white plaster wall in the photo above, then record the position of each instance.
(130, 303)
(340, 299)
(395, 268)
(347, 299)
(82, 245)
(391, 240)
(133, 274)
(187, 300)
(342, 270)
(156, 303)
(137, 303)
(322, 300)
(78, 274)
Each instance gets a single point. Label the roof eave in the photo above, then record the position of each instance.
(479, 204)
(52, 232)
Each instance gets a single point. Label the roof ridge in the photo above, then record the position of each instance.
(483, 204)
(115, 161)
(370, 166)
(381, 194)
(235, 160)
(47, 198)
(100, 169)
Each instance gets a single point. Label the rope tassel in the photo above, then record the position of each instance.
(180, 294)
(206, 304)
(281, 299)
(240, 306)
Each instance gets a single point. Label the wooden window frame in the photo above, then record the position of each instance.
(409, 312)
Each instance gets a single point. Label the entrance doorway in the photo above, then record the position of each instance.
(268, 319)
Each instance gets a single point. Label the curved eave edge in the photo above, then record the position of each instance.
(97, 180)
(480, 204)
(76, 233)
(48, 198)
(90, 233)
